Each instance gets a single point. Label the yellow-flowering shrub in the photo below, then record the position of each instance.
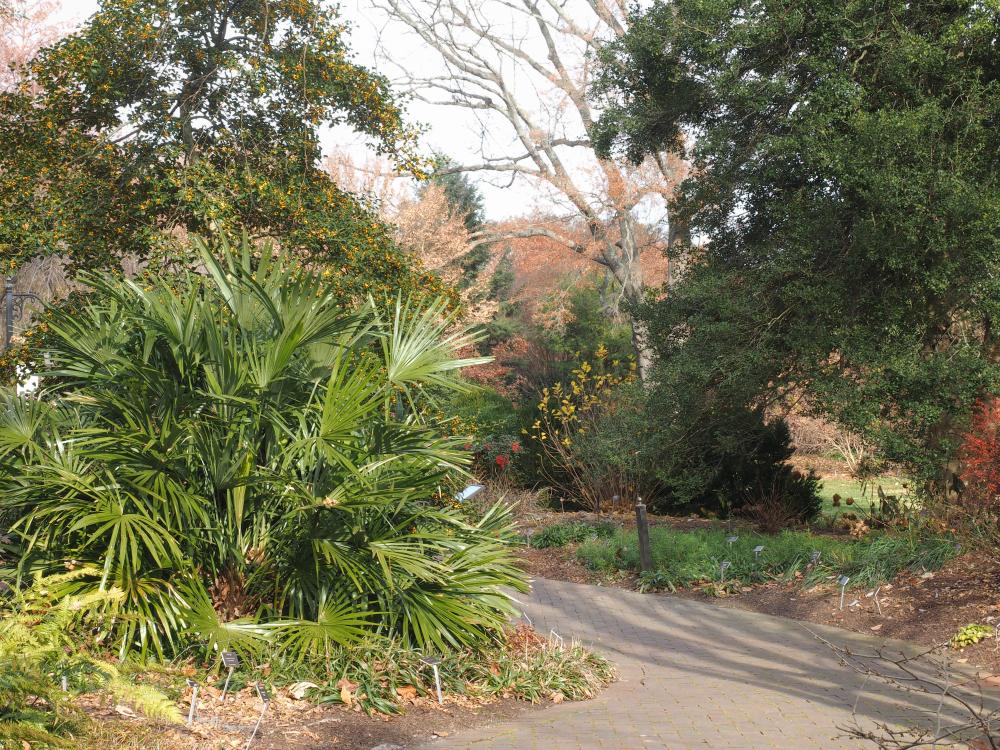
(572, 431)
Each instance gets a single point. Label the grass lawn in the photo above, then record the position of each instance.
(846, 487)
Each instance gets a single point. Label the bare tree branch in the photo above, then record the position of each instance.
(522, 69)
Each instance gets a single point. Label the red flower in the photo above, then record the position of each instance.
(467, 446)
(502, 461)
(515, 447)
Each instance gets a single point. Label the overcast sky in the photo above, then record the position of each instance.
(448, 131)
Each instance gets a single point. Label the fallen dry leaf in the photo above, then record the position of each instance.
(299, 690)
(407, 692)
(347, 689)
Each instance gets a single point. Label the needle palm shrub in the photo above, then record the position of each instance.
(245, 460)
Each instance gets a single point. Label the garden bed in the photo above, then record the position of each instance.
(923, 605)
(300, 725)
(371, 696)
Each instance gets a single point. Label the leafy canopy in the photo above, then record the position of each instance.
(165, 115)
(244, 460)
(846, 181)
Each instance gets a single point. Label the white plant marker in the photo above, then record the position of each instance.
(193, 710)
(842, 581)
(433, 662)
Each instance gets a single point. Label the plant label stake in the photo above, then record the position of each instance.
(642, 527)
(433, 662)
(194, 701)
(230, 660)
(64, 683)
(731, 540)
(723, 567)
(469, 492)
(814, 558)
(874, 596)
(757, 550)
(554, 636)
(265, 699)
(842, 581)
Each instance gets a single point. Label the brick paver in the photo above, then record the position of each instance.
(692, 675)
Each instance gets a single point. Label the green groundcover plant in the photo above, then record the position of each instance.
(686, 558)
(37, 646)
(245, 461)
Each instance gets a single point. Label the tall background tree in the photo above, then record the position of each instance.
(846, 177)
(521, 71)
(162, 117)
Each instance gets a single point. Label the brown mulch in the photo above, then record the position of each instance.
(291, 724)
(925, 609)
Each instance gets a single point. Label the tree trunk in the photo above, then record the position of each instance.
(640, 338)
(634, 293)
(678, 247)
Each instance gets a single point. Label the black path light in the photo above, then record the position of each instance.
(642, 531)
(433, 662)
(230, 660)
(265, 699)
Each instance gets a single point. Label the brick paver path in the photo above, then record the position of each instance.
(692, 675)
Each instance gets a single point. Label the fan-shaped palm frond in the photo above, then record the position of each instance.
(222, 443)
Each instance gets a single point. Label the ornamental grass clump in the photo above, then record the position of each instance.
(248, 462)
(687, 558)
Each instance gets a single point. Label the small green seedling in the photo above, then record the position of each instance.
(970, 634)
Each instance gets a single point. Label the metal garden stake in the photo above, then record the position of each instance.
(230, 660)
(433, 662)
(265, 698)
(193, 710)
(843, 580)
